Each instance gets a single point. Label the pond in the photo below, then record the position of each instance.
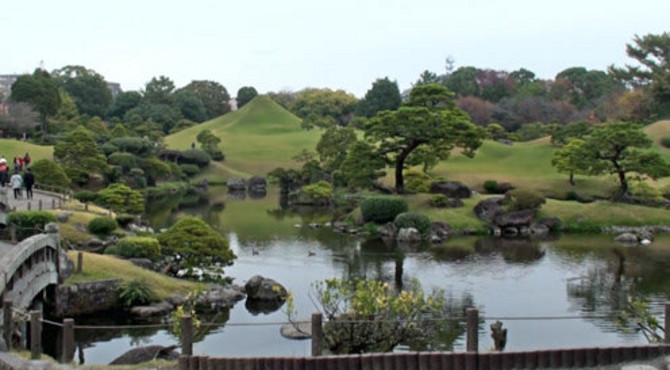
(575, 285)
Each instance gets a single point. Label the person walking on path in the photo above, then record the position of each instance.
(29, 181)
(16, 182)
(26, 159)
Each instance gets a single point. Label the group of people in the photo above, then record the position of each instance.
(17, 181)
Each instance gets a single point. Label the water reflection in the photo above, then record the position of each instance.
(574, 275)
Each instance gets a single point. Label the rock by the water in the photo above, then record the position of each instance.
(257, 184)
(222, 296)
(237, 184)
(514, 219)
(262, 288)
(538, 229)
(488, 208)
(439, 231)
(452, 189)
(301, 329)
(144, 354)
(175, 300)
(552, 223)
(408, 235)
(156, 309)
(626, 238)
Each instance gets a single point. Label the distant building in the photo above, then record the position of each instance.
(115, 88)
(6, 82)
(232, 103)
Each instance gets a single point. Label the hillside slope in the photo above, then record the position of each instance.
(255, 139)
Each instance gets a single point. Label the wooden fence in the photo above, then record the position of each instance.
(558, 358)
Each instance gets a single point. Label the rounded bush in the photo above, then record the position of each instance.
(382, 209)
(102, 225)
(438, 201)
(136, 247)
(491, 186)
(417, 181)
(125, 160)
(26, 221)
(189, 169)
(86, 196)
(666, 141)
(520, 199)
(195, 156)
(418, 221)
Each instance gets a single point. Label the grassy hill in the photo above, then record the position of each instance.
(256, 139)
(11, 148)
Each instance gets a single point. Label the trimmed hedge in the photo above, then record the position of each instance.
(102, 225)
(418, 221)
(136, 247)
(520, 199)
(25, 221)
(86, 196)
(382, 209)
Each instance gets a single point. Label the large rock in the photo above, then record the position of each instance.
(237, 184)
(257, 184)
(261, 288)
(222, 296)
(439, 231)
(452, 189)
(143, 354)
(408, 235)
(514, 219)
(626, 238)
(488, 208)
(156, 309)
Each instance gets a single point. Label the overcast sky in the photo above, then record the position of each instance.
(292, 44)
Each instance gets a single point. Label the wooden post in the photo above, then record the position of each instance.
(80, 262)
(53, 203)
(183, 362)
(86, 206)
(12, 232)
(68, 341)
(472, 330)
(29, 203)
(7, 323)
(187, 335)
(317, 333)
(35, 335)
(60, 202)
(667, 323)
(39, 204)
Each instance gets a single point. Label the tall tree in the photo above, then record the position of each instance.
(87, 87)
(383, 95)
(18, 119)
(618, 149)
(190, 106)
(430, 119)
(652, 52)
(334, 145)
(78, 155)
(245, 94)
(124, 101)
(463, 81)
(40, 91)
(159, 91)
(213, 95)
(427, 77)
(324, 107)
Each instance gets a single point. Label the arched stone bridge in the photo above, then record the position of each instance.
(28, 268)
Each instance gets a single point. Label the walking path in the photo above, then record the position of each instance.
(49, 200)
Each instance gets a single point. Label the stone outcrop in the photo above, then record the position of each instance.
(265, 289)
(257, 184)
(237, 184)
(408, 235)
(514, 219)
(488, 208)
(87, 297)
(451, 189)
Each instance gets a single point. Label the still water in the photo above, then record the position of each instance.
(576, 284)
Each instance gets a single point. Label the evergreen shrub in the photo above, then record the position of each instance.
(382, 209)
(417, 181)
(26, 221)
(491, 186)
(438, 201)
(520, 199)
(189, 170)
(418, 221)
(102, 225)
(136, 247)
(86, 196)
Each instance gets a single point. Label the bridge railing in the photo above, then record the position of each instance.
(64, 192)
